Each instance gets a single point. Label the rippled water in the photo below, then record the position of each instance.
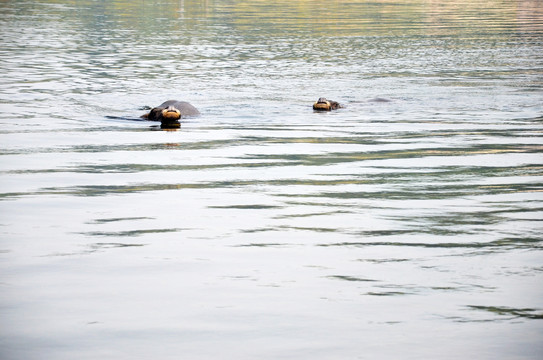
(408, 228)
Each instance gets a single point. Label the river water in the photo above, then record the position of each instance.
(409, 228)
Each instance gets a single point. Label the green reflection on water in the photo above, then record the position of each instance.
(130, 233)
(318, 18)
(502, 244)
(439, 183)
(510, 313)
(350, 278)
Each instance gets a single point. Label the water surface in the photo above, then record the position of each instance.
(407, 228)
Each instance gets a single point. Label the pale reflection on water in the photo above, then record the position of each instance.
(408, 228)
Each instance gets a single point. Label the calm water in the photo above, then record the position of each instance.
(406, 229)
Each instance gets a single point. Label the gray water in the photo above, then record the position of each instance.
(402, 229)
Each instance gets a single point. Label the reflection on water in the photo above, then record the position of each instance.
(510, 313)
(262, 229)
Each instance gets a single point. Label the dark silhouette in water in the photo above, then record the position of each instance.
(324, 104)
(169, 113)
